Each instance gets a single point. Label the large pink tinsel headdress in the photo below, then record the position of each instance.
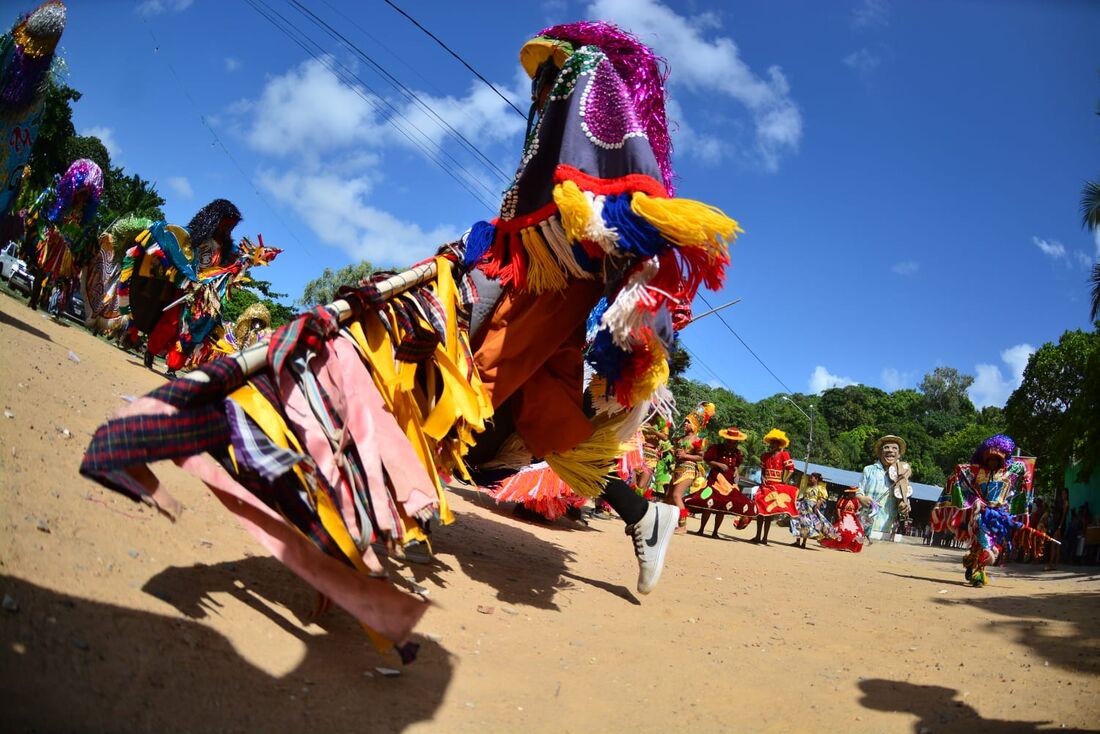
(643, 71)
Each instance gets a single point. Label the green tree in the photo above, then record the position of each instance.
(844, 408)
(54, 130)
(944, 390)
(1090, 218)
(90, 147)
(1043, 414)
(322, 290)
(128, 195)
(244, 296)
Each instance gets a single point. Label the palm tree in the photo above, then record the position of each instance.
(1090, 216)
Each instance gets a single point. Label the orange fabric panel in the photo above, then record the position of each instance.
(531, 348)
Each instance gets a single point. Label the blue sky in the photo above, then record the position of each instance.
(907, 173)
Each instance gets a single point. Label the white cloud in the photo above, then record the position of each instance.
(1056, 251)
(106, 136)
(160, 7)
(991, 387)
(893, 379)
(336, 209)
(871, 14)
(863, 62)
(232, 64)
(180, 186)
(309, 112)
(822, 380)
(714, 67)
(907, 267)
(708, 149)
(1052, 248)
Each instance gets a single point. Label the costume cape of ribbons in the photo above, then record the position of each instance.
(398, 423)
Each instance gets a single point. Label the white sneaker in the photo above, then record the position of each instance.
(652, 535)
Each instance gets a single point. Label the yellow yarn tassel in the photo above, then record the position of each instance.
(574, 209)
(585, 466)
(688, 223)
(655, 375)
(543, 272)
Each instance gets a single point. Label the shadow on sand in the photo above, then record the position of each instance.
(18, 323)
(72, 664)
(939, 709)
(1030, 616)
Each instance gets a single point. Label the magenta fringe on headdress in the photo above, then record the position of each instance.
(82, 173)
(643, 71)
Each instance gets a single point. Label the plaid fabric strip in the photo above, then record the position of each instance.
(418, 342)
(318, 323)
(254, 449)
(198, 427)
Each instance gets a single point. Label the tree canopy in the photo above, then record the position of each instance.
(322, 289)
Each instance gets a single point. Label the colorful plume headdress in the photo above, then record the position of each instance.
(82, 175)
(700, 416)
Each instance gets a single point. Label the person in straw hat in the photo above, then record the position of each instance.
(886, 482)
(721, 494)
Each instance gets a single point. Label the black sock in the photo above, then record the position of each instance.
(627, 503)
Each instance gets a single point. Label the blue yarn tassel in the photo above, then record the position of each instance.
(594, 317)
(478, 243)
(606, 358)
(636, 235)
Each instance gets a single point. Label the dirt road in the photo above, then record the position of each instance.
(116, 619)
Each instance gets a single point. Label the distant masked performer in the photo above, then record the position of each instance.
(174, 280)
(984, 503)
(63, 217)
(26, 56)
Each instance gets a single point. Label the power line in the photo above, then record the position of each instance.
(396, 83)
(746, 345)
(460, 59)
(345, 75)
(696, 358)
(218, 141)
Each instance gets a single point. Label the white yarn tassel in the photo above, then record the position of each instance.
(598, 231)
(626, 315)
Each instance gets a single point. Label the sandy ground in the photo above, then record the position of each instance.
(127, 622)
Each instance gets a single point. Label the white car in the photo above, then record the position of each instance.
(14, 270)
(9, 261)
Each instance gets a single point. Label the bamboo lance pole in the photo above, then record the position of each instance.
(254, 359)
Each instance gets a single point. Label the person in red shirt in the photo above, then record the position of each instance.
(721, 495)
(774, 496)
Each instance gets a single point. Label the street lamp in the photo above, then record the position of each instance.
(809, 443)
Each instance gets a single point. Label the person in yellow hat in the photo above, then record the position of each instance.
(775, 496)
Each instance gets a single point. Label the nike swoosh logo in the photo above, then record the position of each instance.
(652, 540)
